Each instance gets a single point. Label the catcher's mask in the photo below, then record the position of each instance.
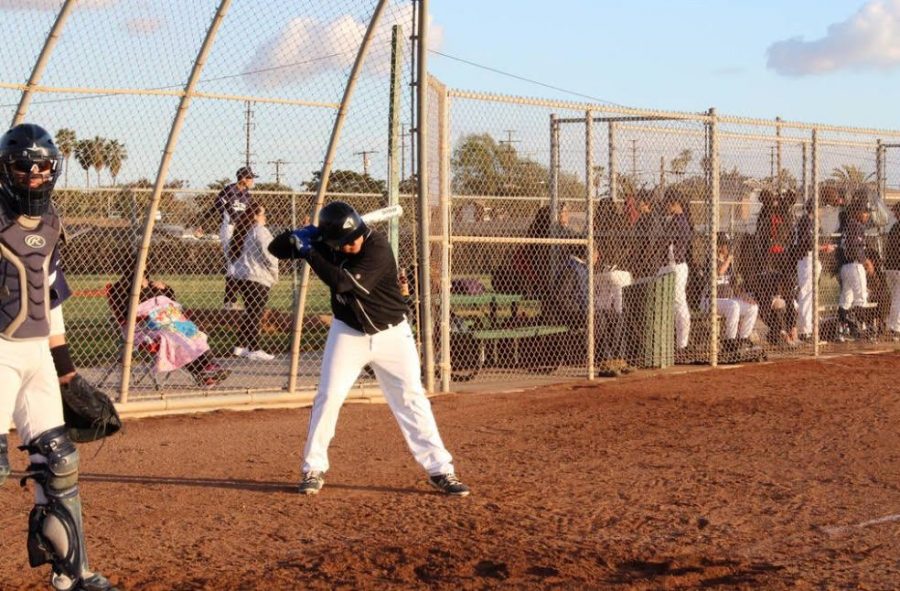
(30, 164)
(340, 224)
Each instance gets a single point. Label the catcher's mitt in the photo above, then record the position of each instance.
(89, 413)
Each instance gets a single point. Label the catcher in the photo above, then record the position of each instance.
(29, 236)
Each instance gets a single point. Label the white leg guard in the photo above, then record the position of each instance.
(55, 530)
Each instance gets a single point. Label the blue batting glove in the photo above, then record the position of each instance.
(302, 241)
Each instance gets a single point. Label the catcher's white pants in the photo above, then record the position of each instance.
(854, 286)
(682, 311)
(893, 280)
(29, 396)
(392, 355)
(805, 287)
(740, 316)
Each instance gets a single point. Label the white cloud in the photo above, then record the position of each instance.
(51, 4)
(868, 39)
(143, 26)
(306, 47)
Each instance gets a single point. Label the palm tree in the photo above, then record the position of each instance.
(114, 153)
(680, 163)
(851, 177)
(65, 140)
(97, 157)
(84, 158)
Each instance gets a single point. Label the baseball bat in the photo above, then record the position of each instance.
(383, 214)
(373, 217)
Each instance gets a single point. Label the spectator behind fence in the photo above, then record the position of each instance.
(855, 266)
(892, 274)
(257, 271)
(643, 255)
(803, 243)
(532, 268)
(771, 273)
(162, 320)
(674, 257)
(732, 302)
(610, 281)
(231, 201)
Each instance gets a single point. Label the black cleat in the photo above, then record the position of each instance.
(311, 483)
(449, 484)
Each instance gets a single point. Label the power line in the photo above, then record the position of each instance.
(523, 79)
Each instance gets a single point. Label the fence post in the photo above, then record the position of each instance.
(38, 71)
(712, 127)
(446, 246)
(815, 250)
(778, 155)
(613, 189)
(589, 259)
(161, 175)
(553, 189)
(804, 181)
(426, 326)
(300, 310)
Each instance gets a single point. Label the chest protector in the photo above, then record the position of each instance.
(24, 267)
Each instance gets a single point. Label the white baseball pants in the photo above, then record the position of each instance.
(608, 291)
(805, 286)
(893, 280)
(854, 286)
(392, 355)
(740, 316)
(30, 395)
(682, 310)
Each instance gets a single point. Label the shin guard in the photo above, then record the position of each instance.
(55, 530)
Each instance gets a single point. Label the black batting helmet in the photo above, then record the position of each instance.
(340, 224)
(28, 154)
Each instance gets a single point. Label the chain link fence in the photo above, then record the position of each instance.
(700, 233)
(267, 91)
(564, 240)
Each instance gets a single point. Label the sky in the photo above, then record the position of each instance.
(829, 61)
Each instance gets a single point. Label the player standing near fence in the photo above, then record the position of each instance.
(856, 266)
(369, 328)
(231, 201)
(29, 234)
(676, 242)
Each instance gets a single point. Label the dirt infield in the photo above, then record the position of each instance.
(773, 476)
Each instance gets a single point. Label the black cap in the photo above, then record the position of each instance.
(245, 172)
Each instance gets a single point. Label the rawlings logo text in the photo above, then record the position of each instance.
(35, 241)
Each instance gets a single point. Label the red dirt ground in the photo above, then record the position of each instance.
(773, 476)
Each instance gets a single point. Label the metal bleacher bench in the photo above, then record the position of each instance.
(484, 327)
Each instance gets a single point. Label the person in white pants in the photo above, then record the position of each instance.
(892, 274)
(740, 312)
(369, 328)
(803, 243)
(677, 236)
(854, 282)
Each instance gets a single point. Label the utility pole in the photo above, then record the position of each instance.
(508, 142)
(278, 164)
(634, 161)
(365, 157)
(248, 126)
(772, 163)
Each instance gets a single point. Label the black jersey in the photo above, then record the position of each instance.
(365, 290)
